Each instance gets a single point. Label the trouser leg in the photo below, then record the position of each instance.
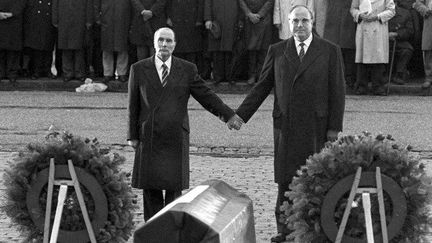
(427, 60)
(67, 63)
(13, 63)
(80, 66)
(377, 75)
(153, 202)
(108, 63)
(218, 66)
(122, 63)
(282, 188)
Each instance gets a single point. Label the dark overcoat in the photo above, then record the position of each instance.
(114, 17)
(310, 97)
(141, 33)
(339, 25)
(11, 28)
(402, 24)
(39, 33)
(259, 35)
(71, 18)
(158, 118)
(185, 14)
(225, 12)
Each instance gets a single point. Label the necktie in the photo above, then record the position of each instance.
(164, 74)
(302, 51)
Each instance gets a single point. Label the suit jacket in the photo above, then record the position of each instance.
(309, 100)
(158, 118)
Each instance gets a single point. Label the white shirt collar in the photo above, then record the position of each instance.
(158, 63)
(307, 43)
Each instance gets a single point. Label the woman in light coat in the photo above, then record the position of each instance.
(281, 12)
(372, 42)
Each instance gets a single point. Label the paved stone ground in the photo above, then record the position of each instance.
(248, 170)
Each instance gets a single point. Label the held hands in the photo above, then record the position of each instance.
(133, 143)
(235, 122)
(369, 17)
(5, 15)
(147, 14)
(254, 18)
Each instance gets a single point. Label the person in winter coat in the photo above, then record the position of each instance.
(339, 28)
(72, 18)
(185, 17)
(372, 42)
(258, 33)
(158, 122)
(11, 40)
(223, 13)
(306, 74)
(114, 17)
(39, 37)
(401, 30)
(148, 16)
(424, 7)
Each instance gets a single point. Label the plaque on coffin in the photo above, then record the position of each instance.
(211, 212)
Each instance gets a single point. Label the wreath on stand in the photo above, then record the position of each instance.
(88, 158)
(341, 159)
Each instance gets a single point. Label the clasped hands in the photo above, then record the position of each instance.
(5, 15)
(369, 17)
(235, 122)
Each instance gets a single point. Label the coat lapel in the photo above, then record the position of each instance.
(290, 52)
(312, 53)
(152, 74)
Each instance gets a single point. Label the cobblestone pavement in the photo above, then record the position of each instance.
(248, 170)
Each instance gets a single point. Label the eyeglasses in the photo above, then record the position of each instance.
(303, 21)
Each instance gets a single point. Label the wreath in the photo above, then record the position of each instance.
(341, 158)
(86, 155)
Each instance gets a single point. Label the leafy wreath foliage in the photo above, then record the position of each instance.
(342, 158)
(84, 153)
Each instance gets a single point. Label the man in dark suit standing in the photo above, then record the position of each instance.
(306, 73)
(158, 122)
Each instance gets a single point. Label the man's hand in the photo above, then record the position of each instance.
(147, 14)
(393, 35)
(5, 15)
(169, 22)
(370, 17)
(332, 135)
(134, 143)
(235, 122)
(254, 18)
(208, 24)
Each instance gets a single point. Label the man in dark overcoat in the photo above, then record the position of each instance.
(148, 16)
(72, 18)
(114, 17)
(401, 30)
(39, 37)
(225, 13)
(11, 40)
(158, 122)
(258, 26)
(185, 17)
(340, 29)
(306, 73)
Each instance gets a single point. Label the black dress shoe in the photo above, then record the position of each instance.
(123, 78)
(380, 92)
(67, 79)
(12, 80)
(51, 76)
(361, 91)
(34, 76)
(106, 79)
(280, 237)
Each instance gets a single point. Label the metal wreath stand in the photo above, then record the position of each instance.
(69, 176)
(366, 184)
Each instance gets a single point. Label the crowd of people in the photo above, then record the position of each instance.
(227, 39)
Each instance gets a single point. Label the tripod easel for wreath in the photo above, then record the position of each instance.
(66, 176)
(365, 184)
